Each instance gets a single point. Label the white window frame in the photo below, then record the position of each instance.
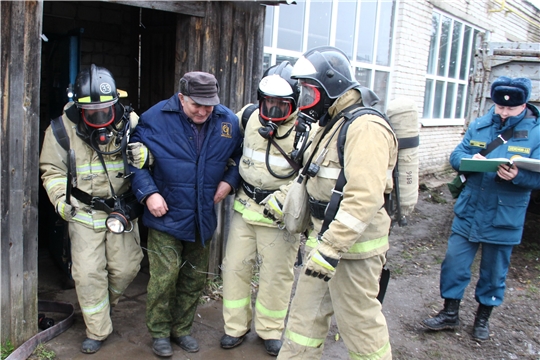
(434, 77)
(274, 51)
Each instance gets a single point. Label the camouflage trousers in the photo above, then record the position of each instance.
(177, 278)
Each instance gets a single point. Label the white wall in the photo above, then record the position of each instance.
(518, 21)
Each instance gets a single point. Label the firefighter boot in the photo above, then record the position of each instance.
(447, 318)
(481, 323)
(272, 346)
(90, 346)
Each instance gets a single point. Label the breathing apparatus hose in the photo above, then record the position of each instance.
(267, 157)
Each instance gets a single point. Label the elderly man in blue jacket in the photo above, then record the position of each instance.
(491, 208)
(196, 145)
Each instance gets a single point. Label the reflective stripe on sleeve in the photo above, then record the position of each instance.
(99, 224)
(54, 182)
(250, 215)
(367, 246)
(359, 247)
(98, 168)
(144, 155)
(350, 221)
(84, 218)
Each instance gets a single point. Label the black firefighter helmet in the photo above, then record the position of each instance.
(324, 74)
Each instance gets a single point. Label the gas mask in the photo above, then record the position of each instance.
(313, 104)
(99, 124)
(273, 110)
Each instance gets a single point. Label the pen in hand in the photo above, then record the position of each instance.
(507, 168)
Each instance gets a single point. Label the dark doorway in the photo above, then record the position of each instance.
(158, 56)
(138, 47)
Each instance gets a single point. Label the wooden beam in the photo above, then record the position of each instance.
(19, 144)
(193, 8)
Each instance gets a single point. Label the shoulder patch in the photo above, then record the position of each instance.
(480, 144)
(226, 130)
(519, 149)
(521, 134)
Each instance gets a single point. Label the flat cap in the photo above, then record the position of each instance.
(201, 87)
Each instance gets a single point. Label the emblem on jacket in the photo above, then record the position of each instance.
(519, 149)
(480, 144)
(226, 130)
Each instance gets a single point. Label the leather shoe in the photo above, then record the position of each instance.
(272, 346)
(162, 347)
(186, 342)
(229, 342)
(90, 346)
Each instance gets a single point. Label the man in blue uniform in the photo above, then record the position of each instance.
(491, 208)
(196, 144)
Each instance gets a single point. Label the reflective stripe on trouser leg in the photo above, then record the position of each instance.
(309, 320)
(277, 251)
(124, 257)
(237, 271)
(360, 320)
(90, 275)
(189, 286)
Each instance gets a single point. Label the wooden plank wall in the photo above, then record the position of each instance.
(20, 81)
(227, 42)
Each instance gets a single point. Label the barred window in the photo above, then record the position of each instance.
(362, 29)
(449, 64)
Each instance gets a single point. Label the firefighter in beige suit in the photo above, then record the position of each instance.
(345, 261)
(255, 240)
(103, 263)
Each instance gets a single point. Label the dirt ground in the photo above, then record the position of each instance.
(414, 259)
